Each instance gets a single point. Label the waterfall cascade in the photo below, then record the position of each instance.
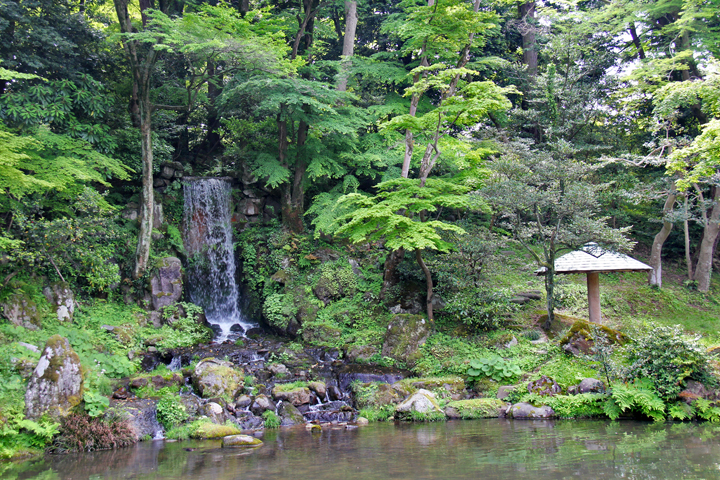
(208, 242)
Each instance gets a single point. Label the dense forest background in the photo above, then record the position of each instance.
(421, 125)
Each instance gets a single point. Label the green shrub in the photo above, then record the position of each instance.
(668, 357)
(271, 420)
(478, 308)
(171, 412)
(378, 414)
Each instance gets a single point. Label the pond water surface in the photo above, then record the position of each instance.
(482, 449)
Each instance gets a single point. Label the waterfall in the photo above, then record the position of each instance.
(211, 259)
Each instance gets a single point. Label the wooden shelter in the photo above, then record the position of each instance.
(592, 260)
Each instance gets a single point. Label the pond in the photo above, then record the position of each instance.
(484, 449)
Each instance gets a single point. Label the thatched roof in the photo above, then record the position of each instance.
(592, 258)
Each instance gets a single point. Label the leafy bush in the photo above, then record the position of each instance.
(668, 357)
(81, 433)
(271, 420)
(479, 309)
(494, 367)
(183, 332)
(170, 412)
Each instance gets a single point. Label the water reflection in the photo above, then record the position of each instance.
(487, 449)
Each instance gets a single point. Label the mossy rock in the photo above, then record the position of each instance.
(451, 384)
(578, 340)
(241, 441)
(321, 334)
(404, 336)
(475, 408)
(212, 430)
(217, 378)
(561, 323)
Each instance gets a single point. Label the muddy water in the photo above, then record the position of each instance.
(480, 449)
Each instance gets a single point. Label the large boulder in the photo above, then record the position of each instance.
(296, 396)
(55, 386)
(525, 410)
(217, 378)
(421, 405)
(166, 285)
(61, 299)
(20, 310)
(289, 415)
(404, 336)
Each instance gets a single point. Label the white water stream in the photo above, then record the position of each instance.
(211, 266)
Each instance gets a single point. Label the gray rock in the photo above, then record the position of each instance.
(360, 352)
(217, 378)
(505, 391)
(141, 414)
(166, 285)
(404, 336)
(214, 412)
(296, 396)
(422, 401)
(55, 386)
(525, 410)
(243, 402)
(512, 342)
(319, 388)
(278, 369)
(30, 347)
(261, 404)
(20, 310)
(241, 441)
(591, 385)
(355, 267)
(289, 415)
(61, 299)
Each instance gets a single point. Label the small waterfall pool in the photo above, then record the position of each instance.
(211, 258)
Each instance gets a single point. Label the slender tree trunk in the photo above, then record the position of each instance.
(703, 270)
(351, 21)
(655, 275)
(550, 292)
(429, 284)
(389, 270)
(686, 231)
(530, 55)
(636, 41)
(142, 252)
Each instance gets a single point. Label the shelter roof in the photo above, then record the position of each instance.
(592, 258)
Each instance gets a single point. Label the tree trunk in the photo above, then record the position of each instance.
(389, 270)
(703, 270)
(429, 284)
(351, 21)
(655, 275)
(530, 55)
(550, 292)
(142, 253)
(686, 231)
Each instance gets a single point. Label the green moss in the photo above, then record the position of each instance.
(289, 387)
(477, 408)
(212, 430)
(585, 328)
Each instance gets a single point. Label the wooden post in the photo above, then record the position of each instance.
(593, 287)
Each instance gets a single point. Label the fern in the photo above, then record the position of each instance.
(707, 411)
(638, 397)
(681, 411)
